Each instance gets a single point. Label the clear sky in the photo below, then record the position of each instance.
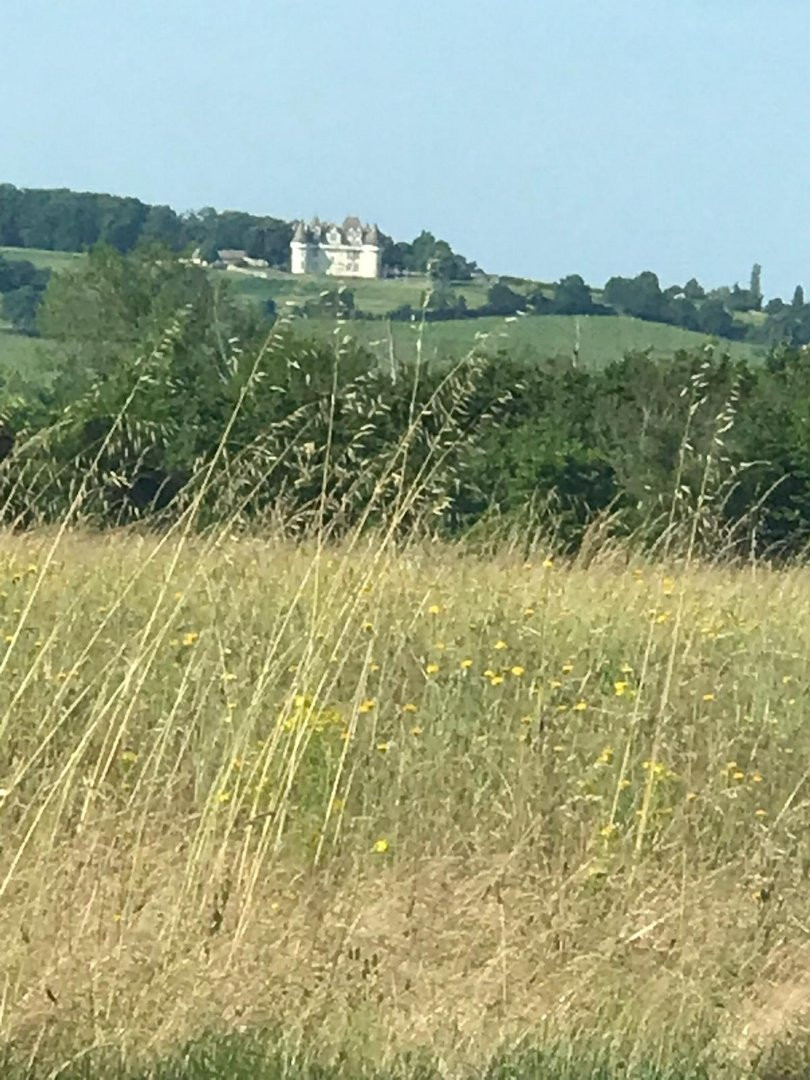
(540, 137)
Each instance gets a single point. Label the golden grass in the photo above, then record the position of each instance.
(399, 797)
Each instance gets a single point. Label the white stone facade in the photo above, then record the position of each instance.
(348, 250)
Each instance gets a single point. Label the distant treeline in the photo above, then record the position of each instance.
(171, 399)
(62, 220)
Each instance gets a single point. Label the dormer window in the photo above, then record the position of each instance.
(355, 236)
(333, 236)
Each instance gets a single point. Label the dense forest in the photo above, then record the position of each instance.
(172, 399)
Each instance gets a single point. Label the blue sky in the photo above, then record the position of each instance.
(538, 137)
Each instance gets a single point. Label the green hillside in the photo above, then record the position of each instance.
(599, 339)
(377, 297)
(51, 260)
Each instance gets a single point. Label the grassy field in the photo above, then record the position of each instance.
(414, 800)
(597, 340)
(377, 297)
(51, 260)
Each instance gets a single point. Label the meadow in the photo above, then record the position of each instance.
(404, 810)
(595, 341)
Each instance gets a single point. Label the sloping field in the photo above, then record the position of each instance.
(51, 260)
(596, 340)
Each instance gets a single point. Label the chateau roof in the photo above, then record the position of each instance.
(317, 232)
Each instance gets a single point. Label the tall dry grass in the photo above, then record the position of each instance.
(388, 793)
(399, 796)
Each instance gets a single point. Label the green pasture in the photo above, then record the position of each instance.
(594, 340)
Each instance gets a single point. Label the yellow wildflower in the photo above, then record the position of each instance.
(761, 813)
(384, 747)
(496, 680)
(580, 706)
(548, 563)
(410, 707)
(606, 757)
(528, 612)
(620, 687)
(708, 697)
(434, 609)
(417, 729)
(567, 669)
(381, 846)
(518, 670)
(367, 705)
(431, 669)
(500, 645)
(224, 797)
(465, 664)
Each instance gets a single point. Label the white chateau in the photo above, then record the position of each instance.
(348, 250)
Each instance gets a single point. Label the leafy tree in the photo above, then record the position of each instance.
(20, 308)
(682, 312)
(501, 300)
(712, 318)
(798, 297)
(755, 288)
(120, 306)
(443, 302)
(15, 273)
(640, 296)
(693, 290)
(572, 296)
(163, 226)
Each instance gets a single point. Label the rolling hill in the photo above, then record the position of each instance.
(596, 340)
